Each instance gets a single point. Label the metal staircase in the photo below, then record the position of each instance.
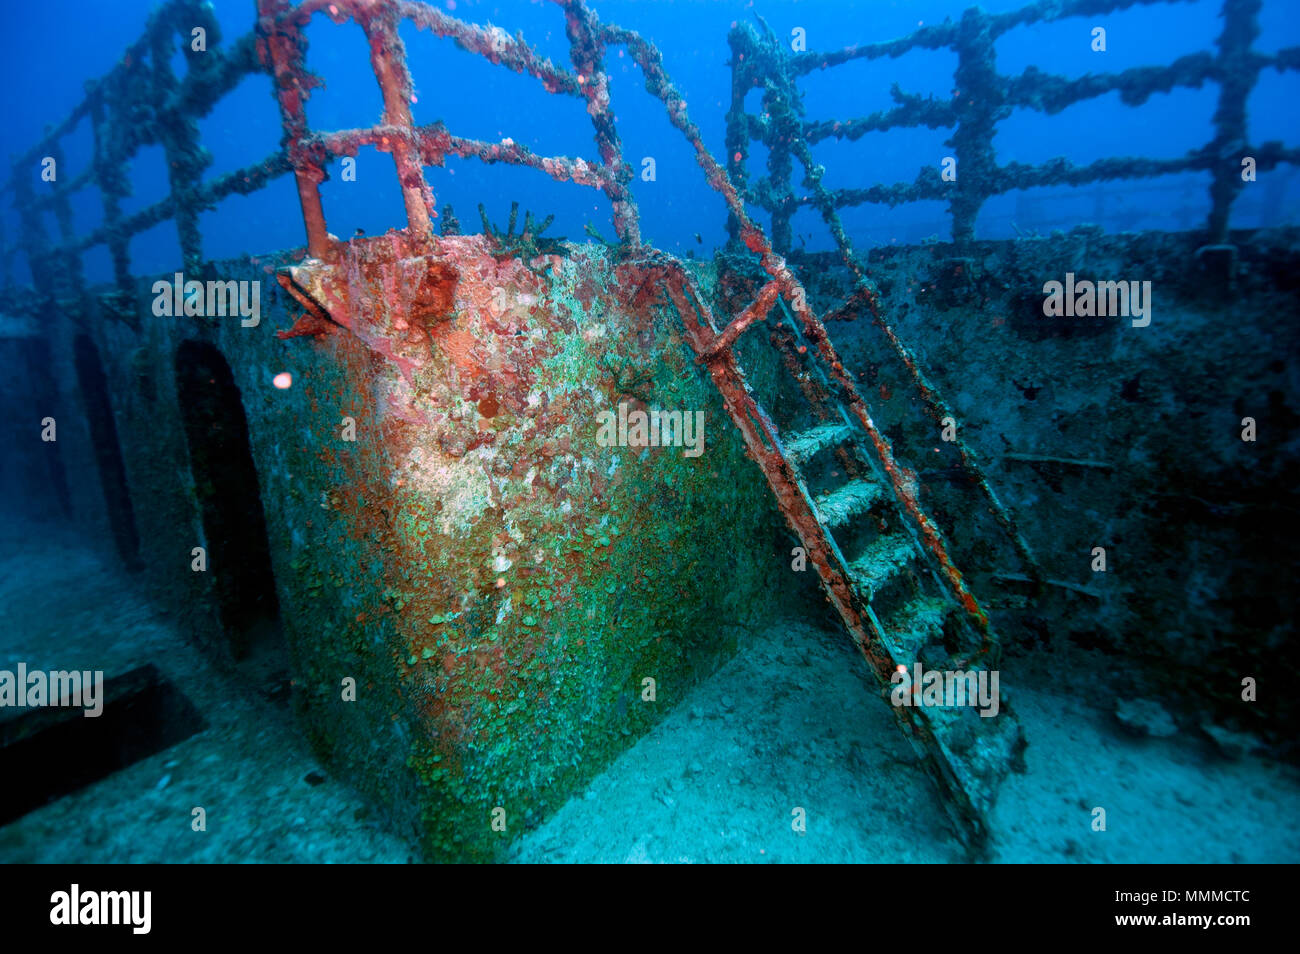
(880, 559)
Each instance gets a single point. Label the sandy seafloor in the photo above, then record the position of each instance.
(789, 722)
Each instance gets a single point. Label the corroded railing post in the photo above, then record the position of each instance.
(178, 133)
(110, 174)
(388, 60)
(282, 50)
(978, 107)
(67, 231)
(1237, 69)
(781, 102)
(35, 241)
(588, 55)
(743, 42)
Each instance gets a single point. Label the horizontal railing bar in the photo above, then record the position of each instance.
(86, 177)
(494, 45)
(514, 54)
(932, 114)
(436, 143)
(1034, 89)
(240, 182)
(927, 38)
(948, 34)
(1046, 11)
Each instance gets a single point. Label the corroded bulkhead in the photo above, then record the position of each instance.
(539, 597)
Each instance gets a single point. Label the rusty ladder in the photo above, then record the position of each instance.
(898, 593)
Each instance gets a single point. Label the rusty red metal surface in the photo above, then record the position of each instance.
(279, 45)
(282, 46)
(588, 40)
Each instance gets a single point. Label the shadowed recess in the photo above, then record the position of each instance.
(108, 452)
(57, 751)
(225, 481)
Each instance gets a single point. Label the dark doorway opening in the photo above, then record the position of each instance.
(57, 751)
(108, 452)
(225, 479)
(33, 482)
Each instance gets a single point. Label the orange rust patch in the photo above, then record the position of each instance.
(457, 344)
(436, 293)
(308, 325)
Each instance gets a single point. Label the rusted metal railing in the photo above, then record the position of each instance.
(141, 102)
(282, 45)
(981, 98)
(120, 108)
(279, 46)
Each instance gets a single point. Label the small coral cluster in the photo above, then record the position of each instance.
(528, 244)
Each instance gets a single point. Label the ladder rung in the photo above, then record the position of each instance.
(914, 625)
(1019, 579)
(840, 506)
(884, 559)
(967, 774)
(806, 445)
(751, 315)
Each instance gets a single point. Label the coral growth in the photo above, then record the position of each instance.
(528, 244)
